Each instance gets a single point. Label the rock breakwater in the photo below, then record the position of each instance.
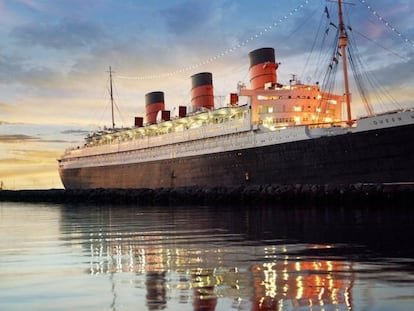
(379, 194)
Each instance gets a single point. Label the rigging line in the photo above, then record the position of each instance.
(117, 107)
(225, 52)
(362, 76)
(96, 117)
(329, 77)
(382, 46)
(114, 89)
(312, 48)
(323, 52)
(303, 24)
(360, 84)
(387, 24)
(104, 111)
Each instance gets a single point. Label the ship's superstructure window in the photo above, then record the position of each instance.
(269, 97)
(263, 109)
(297, 105)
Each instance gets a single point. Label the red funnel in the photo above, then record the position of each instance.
(154, 102)
(262, 68)
(202, 95)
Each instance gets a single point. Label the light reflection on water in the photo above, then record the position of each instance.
(57, 257)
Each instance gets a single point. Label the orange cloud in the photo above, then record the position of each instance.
(28, 163)
(30, 169)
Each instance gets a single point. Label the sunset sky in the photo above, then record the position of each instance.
(55, 56)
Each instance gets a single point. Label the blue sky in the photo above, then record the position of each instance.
(55, 54)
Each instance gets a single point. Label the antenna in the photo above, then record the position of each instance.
(112, 97)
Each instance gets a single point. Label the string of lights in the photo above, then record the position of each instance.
(223, 53)
(386, 23)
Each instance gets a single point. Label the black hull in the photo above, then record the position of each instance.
(380, 156)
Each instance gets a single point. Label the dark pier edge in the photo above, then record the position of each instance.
(383, 195)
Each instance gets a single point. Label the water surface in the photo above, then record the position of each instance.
(63, 257)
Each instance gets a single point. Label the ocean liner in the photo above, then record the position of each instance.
(269, 133)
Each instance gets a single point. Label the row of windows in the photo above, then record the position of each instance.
(281, 120)
(272, 109)
(261, 97)
(282, 109)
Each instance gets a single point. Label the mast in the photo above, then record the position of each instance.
(112, 97)
(343, 42)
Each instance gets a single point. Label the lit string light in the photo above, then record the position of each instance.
(387, 24)
(224, 53)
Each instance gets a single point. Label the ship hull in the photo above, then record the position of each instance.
(377, 156)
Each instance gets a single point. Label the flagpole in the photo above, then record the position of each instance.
(343, 42)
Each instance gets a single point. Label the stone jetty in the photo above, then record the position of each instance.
(375, 194)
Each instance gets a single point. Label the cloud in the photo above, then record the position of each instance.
(12, 162)
(67, 34)
(188, 17)
(37, 172)
(198, 28)
(5, 107)
(17, 138)
(37, 155)
(74, 132)
(21, 138)
(33, 5)
(11, 65)
(18, 71)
